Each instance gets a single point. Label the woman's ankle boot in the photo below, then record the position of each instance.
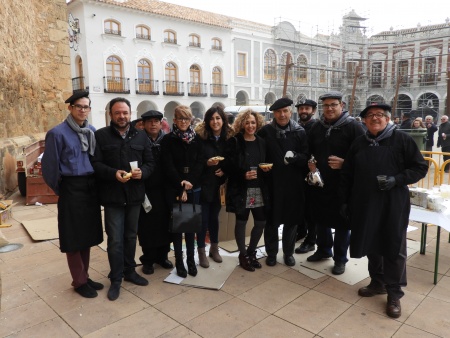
(253, 261)
(203, 260)
(214, 253)
(192, 268)
(244, 262)
(179, 265)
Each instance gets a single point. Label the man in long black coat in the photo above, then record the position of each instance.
(329, 140)
(287, 149)
(153, 227)
(379, 211)
(444, 138)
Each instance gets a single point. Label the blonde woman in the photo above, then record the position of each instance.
(247, 190)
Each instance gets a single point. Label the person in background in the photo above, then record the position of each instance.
(444, 139)
(165, 125)
(153, 227)
(246, 188)
(431, 129)
(138, 123)
(68, 172)
(417, 124)
(287, 149)
(214, 131)
(406, 121)
(122, 190)
(306, 109)
(397, 121)
(329, 140)
(378, 206)
(181, 158)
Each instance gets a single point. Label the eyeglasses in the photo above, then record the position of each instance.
(377, 115)
(80, 107)
(183, 119)
(333, 105)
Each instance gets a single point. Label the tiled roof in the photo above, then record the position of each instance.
(179, 12)
(414, 30)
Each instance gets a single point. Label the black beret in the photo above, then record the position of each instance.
(152, 114)
(383, 106)
(281, 103)
(306, 102)
(76, 96)
(331, 95)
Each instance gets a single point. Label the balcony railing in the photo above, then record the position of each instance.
(195, 44)
(143, 36)
(113, 31)
(116, 84)
(404, 82)
(336, 83)
(173, 41)
(377, 83)
(218, 90)
(174, 88)
(149, 87)
(196, 89)
(428, 79)
(215, 47)
(78, 84)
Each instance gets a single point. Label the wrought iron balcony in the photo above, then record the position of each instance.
(404, 82)
(195, 44)
(78, 84)
(113, 32)
(215, 47)
(429, 79)
(174, 88)
(218, 90)
(196, 89)
(336, 83)
(173, 41)
(148, 87)
(115, 84)
(143, 36)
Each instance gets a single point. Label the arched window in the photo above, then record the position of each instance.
(194, 40)
(283, 60)
(170, 36)
(143, 32)
(195, 80)
(216, 44)
(302, 70)
(322, 74)
(145, 76)
(270, 65)
(112, 27)
(78, 82)
(171, 78)
(217, 88)
(114, 79)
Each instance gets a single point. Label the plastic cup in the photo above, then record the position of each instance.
(255, 169)
(134, 165)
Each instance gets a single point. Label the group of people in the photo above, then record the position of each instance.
(264, 167)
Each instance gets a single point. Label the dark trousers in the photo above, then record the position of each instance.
(388, 271)
(121, 227)
(153, 255)
(189, 237)
(311, 237)
(446, 157)
(288, 239)
(339, 246)
(210, 221)
(78, 262)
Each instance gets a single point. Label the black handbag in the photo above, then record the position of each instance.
(186, 216)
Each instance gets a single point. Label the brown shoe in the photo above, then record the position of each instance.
(370, 291)
(214, 253)
(393, 308)
(203, 260)
(245, 262)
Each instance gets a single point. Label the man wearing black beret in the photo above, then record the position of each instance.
(287, 149)
(329, 140)
(153, 226)
(374, 194)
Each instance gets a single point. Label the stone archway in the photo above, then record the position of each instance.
(169, 109)
(404, 104)
(241, 98)
(145, 106)
(269, 98)
(374, 99)
(198, 109)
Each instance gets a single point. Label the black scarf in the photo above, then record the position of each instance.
(387, 132)
(344, 119)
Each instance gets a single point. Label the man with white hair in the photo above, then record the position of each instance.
(431, 129)
(444, 138)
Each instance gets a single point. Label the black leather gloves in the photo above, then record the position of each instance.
(387, 184)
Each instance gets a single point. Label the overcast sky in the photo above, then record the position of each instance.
(325, 16)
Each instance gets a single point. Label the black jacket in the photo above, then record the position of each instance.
(444, 128)
(235, 165)
(210, 183)
(430, 134)
(180, 161)
(113, 153)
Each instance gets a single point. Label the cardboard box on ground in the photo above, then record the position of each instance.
(5, 212)
(227, 221)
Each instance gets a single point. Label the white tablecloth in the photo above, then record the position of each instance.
(428, 216)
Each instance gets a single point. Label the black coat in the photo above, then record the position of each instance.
(177, 155)
(444, 128)
(430, 134)
(325, 205)
(236, 165)
(406, 124)
(209, 182)
(379, 218)
(153, 229)
(287, 181)
(113, 153)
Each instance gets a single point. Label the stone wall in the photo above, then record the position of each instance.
(34, 73)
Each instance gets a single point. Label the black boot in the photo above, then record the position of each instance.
(192, 268)
(181, 270)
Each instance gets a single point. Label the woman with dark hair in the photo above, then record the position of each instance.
(246, 189)
(181, 158)
(213, 131)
